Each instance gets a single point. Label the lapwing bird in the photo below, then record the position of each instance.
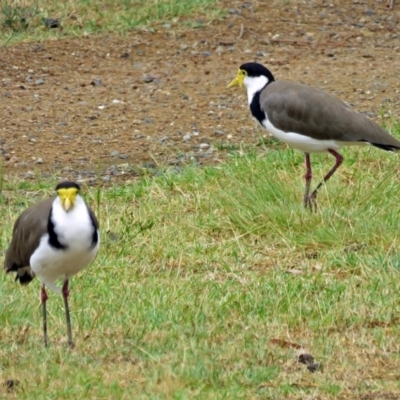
(308, 119)
(54, 239)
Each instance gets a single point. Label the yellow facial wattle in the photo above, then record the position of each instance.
(238, 81)
(67, 197)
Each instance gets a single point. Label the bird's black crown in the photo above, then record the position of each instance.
(255, 69)
(68, 185)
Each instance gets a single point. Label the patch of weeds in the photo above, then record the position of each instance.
(227, 146)
(268, 141)
(17, 18)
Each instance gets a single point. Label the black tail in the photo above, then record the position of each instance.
(387, 147)
(24, 274)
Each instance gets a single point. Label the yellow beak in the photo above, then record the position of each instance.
(67, 197)
(238, 81)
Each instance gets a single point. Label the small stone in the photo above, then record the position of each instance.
(149, 78)
(163, 139)
(204, 146)
(306, 358)
(114, 153)
(206, 154)
(219, 133)
(39, 81)
(314, 367)
(149, 165)
(29, 175)
(39, 160)
(205, 140)
(149, 121)
(123, 156)
(51, 23)
(206, 53)
(105, 178)
(96, 82)
(186, 137)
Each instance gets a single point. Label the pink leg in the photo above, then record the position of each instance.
(339, 161)
(310, 200)
(308, 177)
(44, 297)
(65, 293)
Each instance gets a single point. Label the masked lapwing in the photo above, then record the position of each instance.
(54, 239)
(308, 119)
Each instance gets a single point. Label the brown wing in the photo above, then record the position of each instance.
(30, 226)
(293, 107)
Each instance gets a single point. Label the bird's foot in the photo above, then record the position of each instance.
(310, 202)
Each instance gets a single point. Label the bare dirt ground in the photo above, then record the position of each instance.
(107, 106)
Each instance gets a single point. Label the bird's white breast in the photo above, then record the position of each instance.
(74, 230)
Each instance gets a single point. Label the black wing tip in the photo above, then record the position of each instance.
(382, 146)
(387, 147)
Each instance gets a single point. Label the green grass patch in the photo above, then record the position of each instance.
(33, 19)
(209, 280)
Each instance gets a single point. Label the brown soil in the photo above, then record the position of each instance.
(108, 105)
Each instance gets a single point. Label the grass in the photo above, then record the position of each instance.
(29, 19)
(209, 282)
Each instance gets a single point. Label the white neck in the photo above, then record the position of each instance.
(254, 85)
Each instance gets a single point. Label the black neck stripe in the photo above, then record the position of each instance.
(53, 238)
(255, 108)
